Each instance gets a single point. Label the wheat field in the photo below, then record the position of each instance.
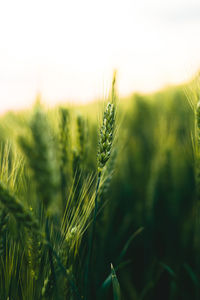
(102, 201)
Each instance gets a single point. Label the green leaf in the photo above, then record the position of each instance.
(191, 274)
(108, 279)
(168, 269)
(116, 286)
(125, 248)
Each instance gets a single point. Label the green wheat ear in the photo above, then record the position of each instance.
(106, 136)
(104, 151)
(40, 155)
(81, 124)
(16, 208)
(64, 136)
(107, 129)
(64, 146)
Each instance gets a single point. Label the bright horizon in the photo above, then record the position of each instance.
(67, 50)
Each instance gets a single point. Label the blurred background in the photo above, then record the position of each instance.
(67, 50)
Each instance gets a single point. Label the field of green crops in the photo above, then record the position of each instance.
(102, 201)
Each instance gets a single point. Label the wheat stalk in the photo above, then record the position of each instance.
(104, 151)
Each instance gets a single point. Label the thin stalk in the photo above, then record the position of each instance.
(63, 269)
(51, 259)
(91, 241)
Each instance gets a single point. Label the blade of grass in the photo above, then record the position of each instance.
(116, 286)
(126, 246)
(108, 280)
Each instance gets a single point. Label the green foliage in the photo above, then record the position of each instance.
(64, 143)
(116, 286)
(22, 216)
(73, 200)
(41, 157)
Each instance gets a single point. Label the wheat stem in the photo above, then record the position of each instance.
(91, 241)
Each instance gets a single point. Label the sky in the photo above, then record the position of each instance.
(66, 50)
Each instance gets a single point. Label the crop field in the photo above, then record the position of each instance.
(102, 201)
